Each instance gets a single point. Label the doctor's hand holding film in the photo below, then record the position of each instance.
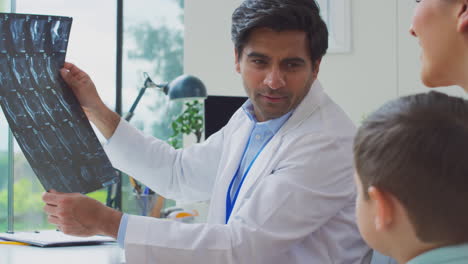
(78, 215)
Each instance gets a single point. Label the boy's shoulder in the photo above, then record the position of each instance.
(456, 254)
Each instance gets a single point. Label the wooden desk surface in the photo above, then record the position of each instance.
(102, 254)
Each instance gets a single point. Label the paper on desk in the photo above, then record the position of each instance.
(52, 238)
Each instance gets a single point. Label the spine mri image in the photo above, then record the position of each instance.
(44, 115)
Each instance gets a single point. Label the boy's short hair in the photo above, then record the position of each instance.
(281, 15)
(416, 148)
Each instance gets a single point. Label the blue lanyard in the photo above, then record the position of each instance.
(230, 203)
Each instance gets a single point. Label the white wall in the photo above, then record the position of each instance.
(365, 78)
(383, 63)
(208, 50)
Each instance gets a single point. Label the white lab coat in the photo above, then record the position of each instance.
(295, 206)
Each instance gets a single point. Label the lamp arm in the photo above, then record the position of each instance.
(129, 115)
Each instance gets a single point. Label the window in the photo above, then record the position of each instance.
(3, 172)
(153, 43)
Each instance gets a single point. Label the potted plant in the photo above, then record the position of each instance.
(191, 121)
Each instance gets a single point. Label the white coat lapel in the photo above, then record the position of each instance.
(234, 148)
(308, 105)
(259, 169)
(306, 108)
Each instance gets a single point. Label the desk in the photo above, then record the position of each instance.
(102, 254)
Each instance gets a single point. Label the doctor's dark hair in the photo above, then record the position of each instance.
(416, 149)
(281, 15)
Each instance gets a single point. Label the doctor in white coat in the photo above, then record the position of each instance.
(279, 175)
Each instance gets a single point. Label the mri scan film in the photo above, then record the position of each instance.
(44, 115)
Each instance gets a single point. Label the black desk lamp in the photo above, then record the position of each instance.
(186, 87)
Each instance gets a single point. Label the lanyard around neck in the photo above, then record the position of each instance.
(230, 203)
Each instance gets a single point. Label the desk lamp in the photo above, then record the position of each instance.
(184, 87)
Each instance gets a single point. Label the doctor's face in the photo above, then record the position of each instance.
(435, 25)
(276, 70)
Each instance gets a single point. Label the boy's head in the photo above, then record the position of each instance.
(411, 159)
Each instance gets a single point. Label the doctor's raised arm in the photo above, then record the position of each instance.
(85, 91)
(279, 175)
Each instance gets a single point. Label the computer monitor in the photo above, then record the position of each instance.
(218, 111)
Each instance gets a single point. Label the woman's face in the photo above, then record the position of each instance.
(436, 25)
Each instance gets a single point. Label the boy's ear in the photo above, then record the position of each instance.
(463, 17)
(384, 209)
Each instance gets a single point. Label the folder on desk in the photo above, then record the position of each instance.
(52, 238)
